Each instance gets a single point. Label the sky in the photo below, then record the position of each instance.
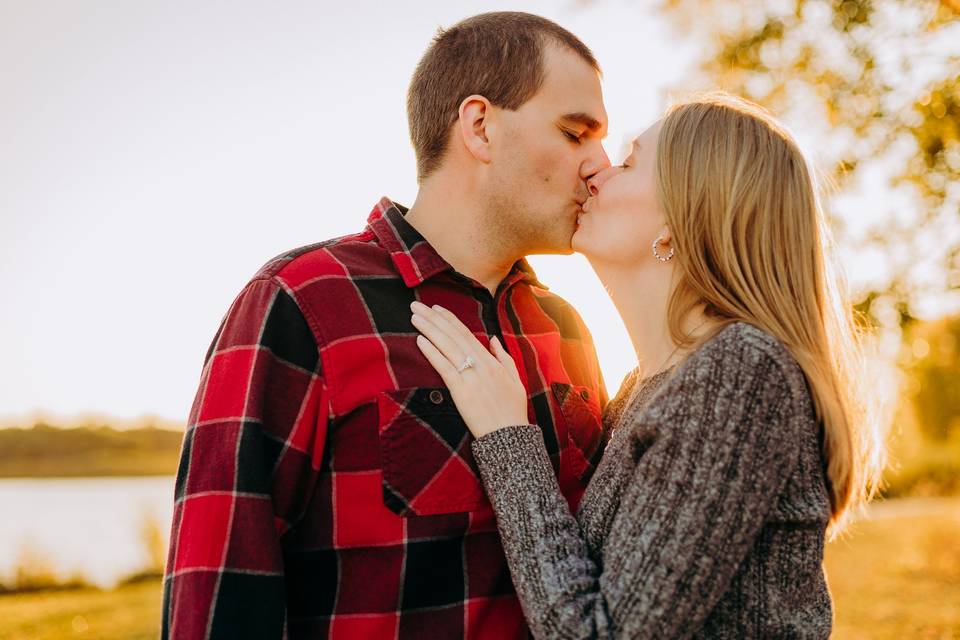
(153, 155)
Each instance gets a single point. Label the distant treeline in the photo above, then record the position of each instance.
(46, 451)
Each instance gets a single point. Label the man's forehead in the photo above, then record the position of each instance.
(572, 87)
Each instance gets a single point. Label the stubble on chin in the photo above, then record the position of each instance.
(554, 234)
(525, 228)
(537, 233)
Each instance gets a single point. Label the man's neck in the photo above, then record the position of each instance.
(454, 226)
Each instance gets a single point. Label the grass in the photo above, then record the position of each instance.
(898, 577)
(130, 612)
(894, 576)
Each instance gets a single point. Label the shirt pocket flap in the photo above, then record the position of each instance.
(428, 466)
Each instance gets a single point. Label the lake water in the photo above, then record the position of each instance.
(90, 526)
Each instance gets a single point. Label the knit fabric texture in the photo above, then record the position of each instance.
(706, 517)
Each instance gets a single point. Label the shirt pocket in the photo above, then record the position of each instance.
(428, 466)
(580, 411)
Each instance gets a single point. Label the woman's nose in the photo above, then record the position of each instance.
(592, 186)
(597, 179)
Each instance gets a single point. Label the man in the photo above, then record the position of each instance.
(326, 485)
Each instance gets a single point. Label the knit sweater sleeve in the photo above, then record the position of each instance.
(709, 456)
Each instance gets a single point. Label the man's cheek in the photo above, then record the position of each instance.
(552, 172)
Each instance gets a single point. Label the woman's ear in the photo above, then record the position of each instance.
(665, 236)
(474, 121)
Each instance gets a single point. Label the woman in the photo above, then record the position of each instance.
(738, 441)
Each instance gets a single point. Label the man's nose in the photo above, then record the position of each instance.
(595, 164)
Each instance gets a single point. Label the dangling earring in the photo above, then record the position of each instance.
(656, 254)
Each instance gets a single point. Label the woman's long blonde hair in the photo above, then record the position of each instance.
(752, 245)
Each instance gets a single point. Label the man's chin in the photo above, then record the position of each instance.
(552, 251)
(563, 246)
(550, 240)
(575, 238)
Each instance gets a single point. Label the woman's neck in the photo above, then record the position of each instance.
(641, 296)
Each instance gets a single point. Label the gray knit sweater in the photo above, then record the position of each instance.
(706, 517)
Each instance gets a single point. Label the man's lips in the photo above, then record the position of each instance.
(580, 212)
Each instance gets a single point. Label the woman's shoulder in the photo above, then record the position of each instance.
(750, 351)
(745, 340)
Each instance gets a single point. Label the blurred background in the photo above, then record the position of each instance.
(154, 154)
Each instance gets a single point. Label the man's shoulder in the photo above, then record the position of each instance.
(328, 258)
(549, 299)
(561, 312)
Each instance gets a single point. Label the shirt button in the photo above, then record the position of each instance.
(436, 397)
(585, 394)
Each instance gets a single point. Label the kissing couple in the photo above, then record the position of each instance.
(403, 433)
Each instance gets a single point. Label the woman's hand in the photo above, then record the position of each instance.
(488, 393)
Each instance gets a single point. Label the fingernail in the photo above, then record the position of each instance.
(417, 304)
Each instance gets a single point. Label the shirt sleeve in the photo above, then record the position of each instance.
(715, 449)
(248, 466)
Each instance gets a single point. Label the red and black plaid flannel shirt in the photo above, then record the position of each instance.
(326, 484)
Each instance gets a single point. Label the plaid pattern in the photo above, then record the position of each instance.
(326, 485)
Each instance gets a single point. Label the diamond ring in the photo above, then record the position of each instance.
(467, 363)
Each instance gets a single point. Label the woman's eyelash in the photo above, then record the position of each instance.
(572, 136)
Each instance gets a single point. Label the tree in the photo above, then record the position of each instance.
(877, 82)
(933, 367)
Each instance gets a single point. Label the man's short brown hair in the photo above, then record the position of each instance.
(497, 55)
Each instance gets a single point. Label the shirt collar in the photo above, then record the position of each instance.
(415, 259)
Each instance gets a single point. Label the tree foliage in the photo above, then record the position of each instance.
(932, 365)
(877, 83)
(46, 451)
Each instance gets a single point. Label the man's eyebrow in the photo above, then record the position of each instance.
(582, 118)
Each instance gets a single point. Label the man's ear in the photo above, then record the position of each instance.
(474, 121)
